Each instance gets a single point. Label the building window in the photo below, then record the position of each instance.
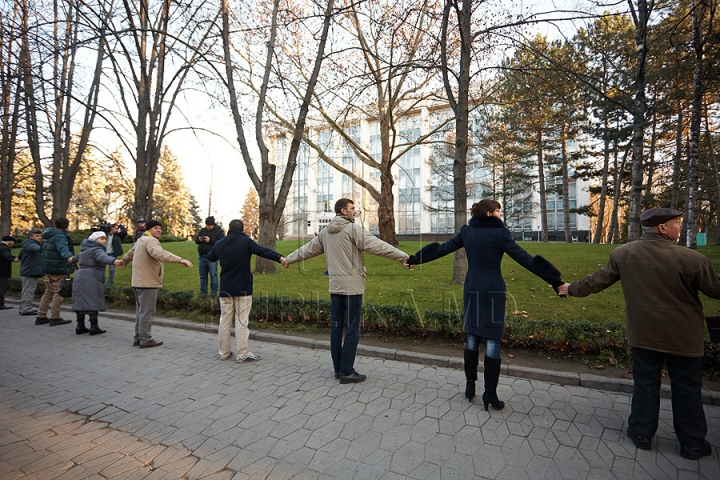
(325, 174)
(409, 207)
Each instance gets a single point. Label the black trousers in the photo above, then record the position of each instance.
(686, 385)
(3, 288)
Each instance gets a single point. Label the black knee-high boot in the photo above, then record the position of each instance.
(492, 374)
(94, 329)
(80, 329)
(471, 358)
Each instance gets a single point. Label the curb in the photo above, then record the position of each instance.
(586, 380)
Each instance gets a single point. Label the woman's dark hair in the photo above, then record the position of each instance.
(484, 206)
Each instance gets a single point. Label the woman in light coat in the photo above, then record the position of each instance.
(88, 292)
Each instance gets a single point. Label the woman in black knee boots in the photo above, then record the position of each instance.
(486, 240)
(88, 292)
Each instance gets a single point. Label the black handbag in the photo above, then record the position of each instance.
(65, 289)
(713, 324)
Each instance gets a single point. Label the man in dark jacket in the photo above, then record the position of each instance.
(234, 253)
(6, 261)
(30, 270)
(140, 230)
(57, 255)
(114, 248)
(207, 237)
(665, 323)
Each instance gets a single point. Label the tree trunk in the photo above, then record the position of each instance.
(541, 186)
(614, 231)
(716, 175)
(566, 187)
(691, 214)
(648, 198)
(640, 18)
(678, 154)
(603, 188)
(268, 223)
(386, 207)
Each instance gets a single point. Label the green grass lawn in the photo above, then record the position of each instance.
(429, 287)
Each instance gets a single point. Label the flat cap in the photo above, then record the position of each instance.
(657, 216)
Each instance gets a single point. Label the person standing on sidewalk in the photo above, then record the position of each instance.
(30, 270)
(147, 278)
(486, 240)
(140, 230)
(665, 323)
(343, 242)
(114, 248)
(6, 261)
(206, 238)
(234, 253)
(57, 255)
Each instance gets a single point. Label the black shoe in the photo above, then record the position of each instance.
(5, 307)
(151, 343)
(136, 343)
(641, 442)
(696, 453)
(80, 329)
(42, 321)
(470, 390)
(95, 330)
(352, 378)
(54, 322)
(31, 312)
(492, 399)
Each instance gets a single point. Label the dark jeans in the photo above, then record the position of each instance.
(686, 385)
(206, 267)
(344, 308)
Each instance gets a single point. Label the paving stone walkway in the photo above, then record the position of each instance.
(95, 407)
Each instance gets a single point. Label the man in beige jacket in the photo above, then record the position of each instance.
(147, 279)
(343, 243)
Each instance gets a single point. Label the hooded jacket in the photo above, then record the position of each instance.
(343, 243)
(31, 258)
(57, 248)
(148, 258)
(88, 292)
(486, 241)
(660, 281)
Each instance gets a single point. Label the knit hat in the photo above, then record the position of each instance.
(8, 238)
(152, 223)
(210, 221)
(95, 235)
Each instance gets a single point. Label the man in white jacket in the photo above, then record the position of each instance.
(343, 243)
(147, 278)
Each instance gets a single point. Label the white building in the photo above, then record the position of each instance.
(422, 193)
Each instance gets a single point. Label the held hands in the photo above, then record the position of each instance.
(563, 289)
(119, 263)
(16, 260)
(284, 263)
(186, 263)
(406, 264)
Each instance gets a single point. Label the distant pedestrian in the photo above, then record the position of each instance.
(486, 240)
(6, 261)
(343, 242)
(147, 278)
(88, 293)
(665, 324)
(234, 253)
(114, 248)
(140, 229)
(30, 270)
(57, 255)
(206, 238)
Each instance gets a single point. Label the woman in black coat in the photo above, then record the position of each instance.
(486, 240)
(88, 292)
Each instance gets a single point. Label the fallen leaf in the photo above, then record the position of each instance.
(510, 355)
(612, 361)
(516, 312)
(600, 367)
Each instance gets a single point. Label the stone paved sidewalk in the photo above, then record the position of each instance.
(95, 407)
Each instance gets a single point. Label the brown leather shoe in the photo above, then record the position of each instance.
(151, 343)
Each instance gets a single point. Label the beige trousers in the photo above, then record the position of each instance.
(239, 308)
(51, 298)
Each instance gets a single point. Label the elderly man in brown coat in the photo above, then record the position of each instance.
(343, 242)
(147, 279)
(664, 322)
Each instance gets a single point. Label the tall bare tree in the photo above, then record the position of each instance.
(60, 93)
(271, 207)
(155, 47)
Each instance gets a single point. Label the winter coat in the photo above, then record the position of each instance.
(31, 258)
(6, 261)
(660, 281)
(88, 292)
(215, 235)
(486, 240)
(343, 243)
(116, 248)
(147, 268)
(57, 248)
(234, 253)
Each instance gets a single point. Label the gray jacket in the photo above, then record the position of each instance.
(343, 243)
(31, 259)
(88, 293)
